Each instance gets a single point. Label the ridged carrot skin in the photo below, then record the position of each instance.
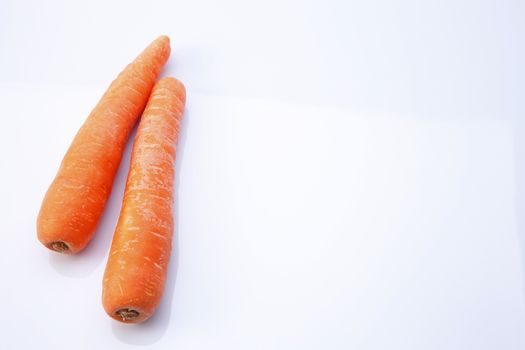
(137, 265)
(76, 198)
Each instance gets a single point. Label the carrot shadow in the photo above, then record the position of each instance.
(152, 330)
(85, 262)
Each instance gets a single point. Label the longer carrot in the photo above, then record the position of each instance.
(137, 264)
(75, 200)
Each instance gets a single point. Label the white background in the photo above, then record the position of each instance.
(350, 174)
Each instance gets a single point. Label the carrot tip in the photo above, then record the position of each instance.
(127, 314)
(59, 246)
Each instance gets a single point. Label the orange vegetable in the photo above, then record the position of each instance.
(137, 265)
(75, 200)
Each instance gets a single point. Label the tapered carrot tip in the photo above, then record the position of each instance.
(75, 200)
(138, 260)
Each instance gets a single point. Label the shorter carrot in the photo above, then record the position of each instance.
(75, 201)
(137, 265)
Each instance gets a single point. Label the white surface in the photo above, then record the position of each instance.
(349, 175)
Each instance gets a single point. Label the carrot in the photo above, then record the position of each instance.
(137, 265)
(76, 198)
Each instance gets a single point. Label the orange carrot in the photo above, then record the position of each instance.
(137, 264)
(75, 200)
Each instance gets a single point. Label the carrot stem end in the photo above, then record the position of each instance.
(59, 246)
(127, 314)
